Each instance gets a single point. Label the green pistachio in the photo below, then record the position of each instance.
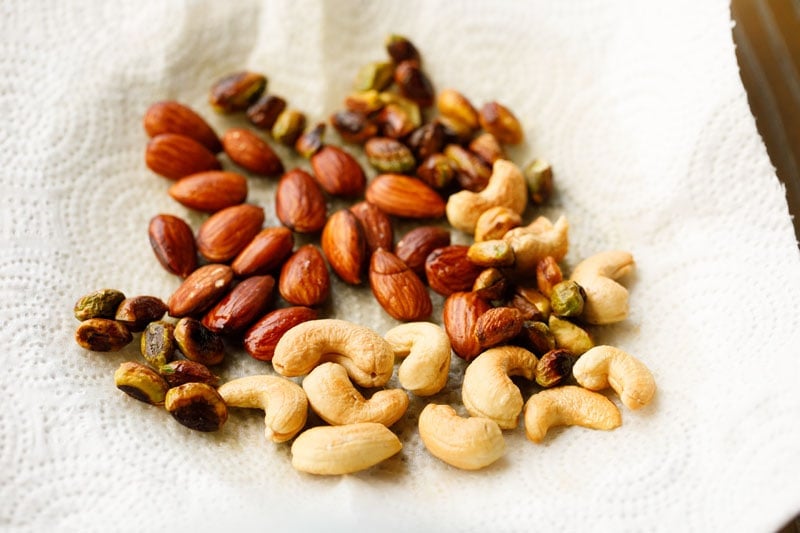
(567, 299)
(102, 303)
(140, 382)
(539, 177)
(158, 343)
(554, 367)
(374, 76)
(197, 406)
(570, 336)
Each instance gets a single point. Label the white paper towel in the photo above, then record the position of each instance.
(640, 108)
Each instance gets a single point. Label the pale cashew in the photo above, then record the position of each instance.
(568, 406)
(496, 222)
(368, 358)
(335, 450)
(606, 300)
(334, 398)
(426, 348)
(468, 443)
(488, 391)
(506, 187)
(607, 366)
(284, 403)
(537, 240)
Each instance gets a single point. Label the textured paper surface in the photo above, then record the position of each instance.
(639, 107)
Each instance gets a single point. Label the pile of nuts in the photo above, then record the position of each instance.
(509, 310)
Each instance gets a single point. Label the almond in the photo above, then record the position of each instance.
(449, 269)
(225, 233)
(172, 241)
(459, 316)
(304, 278)
(174, 117)
(405, 197)
(250, 152)
(498, 325)
(299, 202)
(266, 252)
(344, 245)
(397, 289)
(417, 244)
(337, 172)
(210, 191)
(262, 337)
(242, 306)
(376, 224)
(202, 289)
(175, 156)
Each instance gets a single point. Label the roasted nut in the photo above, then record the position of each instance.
(389, 155)
(570, 336)
(491, 284)
(460, 313)
(288, 127)
(548, 275)
(210, 191)
(533, 304)
(266, 252)
(537, 337)
(337, 172)
(437, 170)
(606, 300)
(364, 102)
(226, 233)
(265, 111)
(496, 253)
(250, 152)
(498, 325)
(495, 222)
(197, 406)
(455, 132)
(472, 173)
(138, 311)
(235, 92)
(374, 76)
(426, 140)
(198, 343)
(487, 148)
(566, 299)
(140, 382)
(299, 202)
(467, 443)
(397, 288)
(158, 343)
(102, 335)
(174, 117)
(607, 366)
(425, 348)
(448, 269)
(396, 121)
(173, 243)
(400, 49)
(405, 197)
(455, 106)
(304, 278)
(537, 240)
(377, 226)
(354, 126)
(262, 337)
(539, 178)
(554, 367)
(310, 142)
(500, 122)
(101, 303)
(568, 406)
(242, 306)
(175, 156)
(182, 371)
(415, 246)
(200, 290)
(336, 450)
(345, 246)
(413, 83)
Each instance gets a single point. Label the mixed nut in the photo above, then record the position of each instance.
(509, 309)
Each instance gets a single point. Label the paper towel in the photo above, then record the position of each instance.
(641, 111)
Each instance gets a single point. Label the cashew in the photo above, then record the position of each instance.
(607, 366)
(426, 348)
(568, 406)
(334, 450)
(468, 443)
(606, 300)
(537, 240)
(487, 390)
(334, 398)
(284, 403)
(506, 187)
(368, 358)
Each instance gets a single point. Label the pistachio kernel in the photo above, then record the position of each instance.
(501, 122)
(413, 83)
(366, 102)
(400, 48)
(487, 148)
(140, 382)
(158, 343)
(198, 343)
(102, 335)
(539, 178)
(567, 299)
(138, 311)
(182, 371)
(554, 367)
(354, 126)
(288, 127)
(455, 106)
(197, 406)
(533, 304)
(265, 111)
(388, 155)
(472, 173)
(491, 284)
(548, 275)
(437, 170)
(426, 140)
(374, 76)
(570, 336)
(310, 142)
(101, 303)
(395, 121)
(537, 337)
(410, 108)
(236, 91)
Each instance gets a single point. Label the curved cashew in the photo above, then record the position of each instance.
(487, 390)
(284, 403)
(468, 443)
(368, 358)
(605, 366)
(506, 187)
(334, 450)
(334, 398)
(568, 406)
(426, 348)
(537, 240)
(606, 300)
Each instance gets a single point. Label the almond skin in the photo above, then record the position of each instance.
(417, 244)
(173, 117)
(172, 241)
(397, 289)
(176, 156)
(242, 306)
(225, 233)
(304, 278)
(265, 253)
(405, 197)
(262, 337)
(344, 245)
(202, 289)
(376, 224)
(498, 325)
(337, 172)
(449, 269)
(250, 152)
(210, 191)
(300, 202)
(459, 316)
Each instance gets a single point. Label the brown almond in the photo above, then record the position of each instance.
(377, 226)
(138, 311)
(225, 233)
(416, 245)
(449, 269)
(173, 243)
(397, 289)
(250, 152)
(459, 316)
(265, 253)
(405, 197)
(242, 306)
(202, 289)
(175, 156)
(498, 325)
(304, 278)
(344, 246)
(174, 117)
(262, 337)
(337, 172)
(299, 202)
(210, 191)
